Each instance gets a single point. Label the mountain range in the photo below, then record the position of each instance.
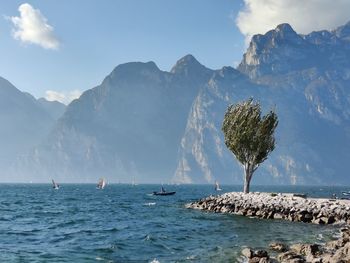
(149, 125)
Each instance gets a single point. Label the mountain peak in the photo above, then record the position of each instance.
(283, 32)
(188, 64)
(188, 59)
(281, 35)
(343, 32)
(279, 50)
(133, 69)
(285, 28)
(136, 66)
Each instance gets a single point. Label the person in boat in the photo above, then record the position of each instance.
(162, 190)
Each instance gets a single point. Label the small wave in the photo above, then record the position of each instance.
(149, 204)
(19, 233)
(155, 261)
(109, 249)
(113, 229)
(320, 237)
(150, 238)
(6, 218)
(147, 237)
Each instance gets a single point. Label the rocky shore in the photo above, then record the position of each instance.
(292, 207)
(336, 251)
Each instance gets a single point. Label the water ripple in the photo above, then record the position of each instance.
(125, 224)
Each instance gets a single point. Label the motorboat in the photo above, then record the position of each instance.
(163, 192)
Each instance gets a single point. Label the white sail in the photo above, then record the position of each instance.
(55, 185)
(217, 186)
(133, 182)
(101, 184)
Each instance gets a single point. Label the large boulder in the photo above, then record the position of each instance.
(278, 247)
(247, 252)
(306, 249)
(290, 256)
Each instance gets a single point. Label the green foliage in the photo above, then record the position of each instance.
(249, 136)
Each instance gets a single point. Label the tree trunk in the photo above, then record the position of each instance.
(248, 172)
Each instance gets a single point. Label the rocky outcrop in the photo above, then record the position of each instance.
(278, 206)
(293, 207)
(336, 251)
(257, 256)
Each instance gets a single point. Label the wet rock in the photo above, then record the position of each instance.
(278, 247)
(247, 252)
(326, 258)
(330, 219)
(333, 245)
(260, 253)
(306, 249)
(345, 232)
(265, 260)
(341, 255)
(289, 256)
(254, 260)
(320, 221)
(278, 216)
(305, 217)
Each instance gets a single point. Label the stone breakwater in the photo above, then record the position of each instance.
(290, 207)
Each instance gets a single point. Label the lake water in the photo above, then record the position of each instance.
(124, 223)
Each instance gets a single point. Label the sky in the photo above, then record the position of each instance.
(59, 48)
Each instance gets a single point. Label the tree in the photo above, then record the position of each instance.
(249, 136)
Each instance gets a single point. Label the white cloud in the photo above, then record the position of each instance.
(63, 97)
(305, 16)
(32, 27)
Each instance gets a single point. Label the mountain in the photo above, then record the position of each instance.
(154, 126)
(128, 127)
(54, 108)
(24, 123)
(306, 79)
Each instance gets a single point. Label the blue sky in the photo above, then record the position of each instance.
(94, 36)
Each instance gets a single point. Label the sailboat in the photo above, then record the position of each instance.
(133, 182)
(55, 185)
(101, 184)
(217, 186)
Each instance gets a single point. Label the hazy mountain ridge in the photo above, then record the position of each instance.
(153, 125)
(24, 123)
(129, 126)
(54, 108)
